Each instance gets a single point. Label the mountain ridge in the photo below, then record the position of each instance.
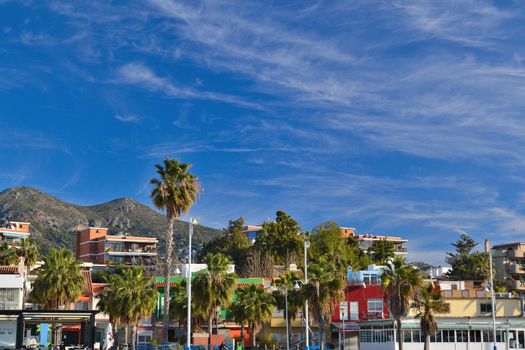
(54, 222)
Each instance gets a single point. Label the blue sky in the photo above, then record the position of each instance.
(394, 117)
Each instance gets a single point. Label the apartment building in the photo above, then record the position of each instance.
(14, 232)
(366, 240)
(251, 231)
(509, 264)
(11, 288)
(96, 246)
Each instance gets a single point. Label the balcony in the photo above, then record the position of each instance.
(515, 268)
(369, 316)
(516, 253)
(518, 285)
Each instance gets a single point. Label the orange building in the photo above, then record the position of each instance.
(14, 232)
(96, 246)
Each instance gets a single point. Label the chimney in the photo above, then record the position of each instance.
(487, 246)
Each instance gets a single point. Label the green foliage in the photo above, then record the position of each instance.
(214, 285)
(323, 291)
(282, 239)
(467, 264)
(427, 302)
(129, 297)
(8, 255)
(233, 242)
(400, 282)
(59, 281)
(327, 244)
(175, 191)
(382, 251)
(253, 306)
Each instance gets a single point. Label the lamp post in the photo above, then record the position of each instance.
(188, 283)
(307, 326)
(493, 302)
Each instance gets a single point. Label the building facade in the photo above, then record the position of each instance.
(366, 240)
(96, 246)
(14, 232)
(509, 263)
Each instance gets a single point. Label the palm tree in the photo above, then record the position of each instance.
(59, 281)
(287, 295)
(129, 297)
(175, 192)
(108, 305)
(214, 286)
(136, 296)
(179, 306)
(253, 306)
(400, 282)
(8, 255)
(324, 290)
(29, 251)
(239, 311)
(427, 302)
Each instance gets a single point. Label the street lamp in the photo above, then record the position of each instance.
(188, 283)
(306, 327)
(493, 301)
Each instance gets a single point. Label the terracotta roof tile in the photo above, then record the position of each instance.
(9, 270)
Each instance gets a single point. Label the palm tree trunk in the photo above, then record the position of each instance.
(321, 334)
(126, 334)
(242, 335)
(167, 274)
(253, 336)
(210, 328)
(398, 334)
(134, 336)
(427, 342)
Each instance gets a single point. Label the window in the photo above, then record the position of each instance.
(82, 305)
(375, 305)
(475, 336)
(449, 336)
(485, 308)
(9, 298)
(416, 336)
(462, 336)
(406, 337)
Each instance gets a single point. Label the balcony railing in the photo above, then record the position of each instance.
(131, 250)
(515, 253)
(368, 316)
(364, 283)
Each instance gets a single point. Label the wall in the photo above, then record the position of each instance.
(7, 334)
(471, 307)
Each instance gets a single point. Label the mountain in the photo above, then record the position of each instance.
(54, 222)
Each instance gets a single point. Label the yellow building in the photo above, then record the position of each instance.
(479, 307)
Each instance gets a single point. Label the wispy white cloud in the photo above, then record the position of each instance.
(141, 75)
(127, 118)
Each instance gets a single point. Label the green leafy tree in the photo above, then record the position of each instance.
(400, 282)
(323, 291)
(8, 255)
(59, 281)
(282, 238)
(253, 306)
(232, 242)
(175, 191)
(466, 263)
(428, 302)
(382, 251)
(214, 286)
